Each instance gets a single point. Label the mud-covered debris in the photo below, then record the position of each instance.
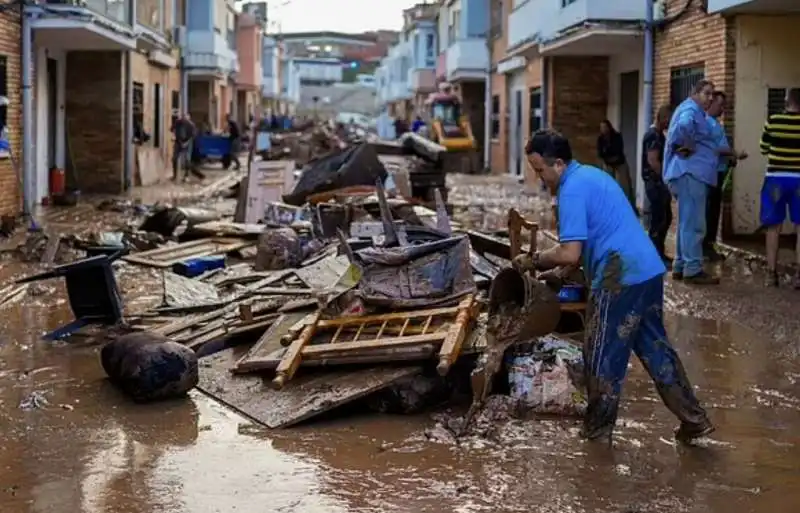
(36, 400)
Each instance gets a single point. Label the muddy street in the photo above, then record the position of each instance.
(72, 443)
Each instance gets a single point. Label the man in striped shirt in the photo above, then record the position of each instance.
(780, 142)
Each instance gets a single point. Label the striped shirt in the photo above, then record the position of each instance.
(780, 142)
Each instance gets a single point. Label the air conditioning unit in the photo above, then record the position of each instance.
(179, 36)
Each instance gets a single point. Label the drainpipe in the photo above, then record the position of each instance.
(648, 63)
(487, 99)
(28, 152)
(647, 89)
(128, 149)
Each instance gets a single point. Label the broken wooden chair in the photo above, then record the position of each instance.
(396, 336)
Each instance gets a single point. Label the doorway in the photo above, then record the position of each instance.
(629, 119)
(515, 133)
(52, 112)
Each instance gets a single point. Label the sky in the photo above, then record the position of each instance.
(339, 15)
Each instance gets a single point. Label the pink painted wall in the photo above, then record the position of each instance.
(248, 46)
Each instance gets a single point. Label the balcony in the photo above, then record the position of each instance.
(467, 59)
(545, 22)
(208, 55)
(753, 6)
(269, 87)
(85, 25)
(423, 80)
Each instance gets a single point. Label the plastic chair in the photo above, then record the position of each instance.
(92, 291)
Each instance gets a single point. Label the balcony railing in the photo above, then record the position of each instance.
(467, 57)
(117, 10)
(540, 20)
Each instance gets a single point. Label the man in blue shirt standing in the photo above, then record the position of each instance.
(726, 158)
(597, 227)
(690, 168)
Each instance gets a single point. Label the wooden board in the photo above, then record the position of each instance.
(267, 344)
(169, 255)
(304, 397)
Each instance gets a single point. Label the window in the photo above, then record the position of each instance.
(776, 100)
(3, 91)
(682, 80)
(535, 114)
(430, 50)
(138, 107)
(565, 3)
(495, 117)
(158, 120)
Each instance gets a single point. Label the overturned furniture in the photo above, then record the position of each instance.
(92, 291)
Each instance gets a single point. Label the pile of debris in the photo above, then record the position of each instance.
(336, 284)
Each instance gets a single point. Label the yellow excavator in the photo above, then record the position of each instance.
(450, 128)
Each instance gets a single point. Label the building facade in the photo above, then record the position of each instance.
(10, 109)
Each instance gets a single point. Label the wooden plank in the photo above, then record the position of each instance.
(301, 399)
(170, 255)
(325, 273)
(269, 342)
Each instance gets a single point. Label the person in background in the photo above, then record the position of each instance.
(656, 190)
(184, 131)
(597, 227)
(780, 142)
(418, 124)
(611, 151)
(400, 126)
(727, 158)
(691, 160)
(235, 138)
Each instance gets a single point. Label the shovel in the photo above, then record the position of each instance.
(521, 308)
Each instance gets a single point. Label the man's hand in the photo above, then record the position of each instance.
(523, 262)
(553, 278)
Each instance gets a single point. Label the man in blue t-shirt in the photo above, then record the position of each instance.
(597, 226)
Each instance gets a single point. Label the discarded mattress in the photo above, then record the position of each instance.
(358, 165)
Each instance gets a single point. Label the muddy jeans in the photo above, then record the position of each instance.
(631, 319)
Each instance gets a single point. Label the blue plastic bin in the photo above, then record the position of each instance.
(213, 146)
(571, 294)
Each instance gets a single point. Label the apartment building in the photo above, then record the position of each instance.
(569, 64)
(211, 61)
(748, 48)
(100, 68)
(464, 60)
(250, 45)
(10, 109)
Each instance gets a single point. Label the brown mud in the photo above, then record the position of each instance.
(70, 442)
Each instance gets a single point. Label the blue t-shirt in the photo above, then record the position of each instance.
(593, 209)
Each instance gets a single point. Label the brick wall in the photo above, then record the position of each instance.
(95, 120)
(697, 38)
(578, 101)
(10, 48)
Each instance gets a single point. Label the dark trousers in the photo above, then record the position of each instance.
(236, 147)
(660, 212)
(624, 321)
(713, 212)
